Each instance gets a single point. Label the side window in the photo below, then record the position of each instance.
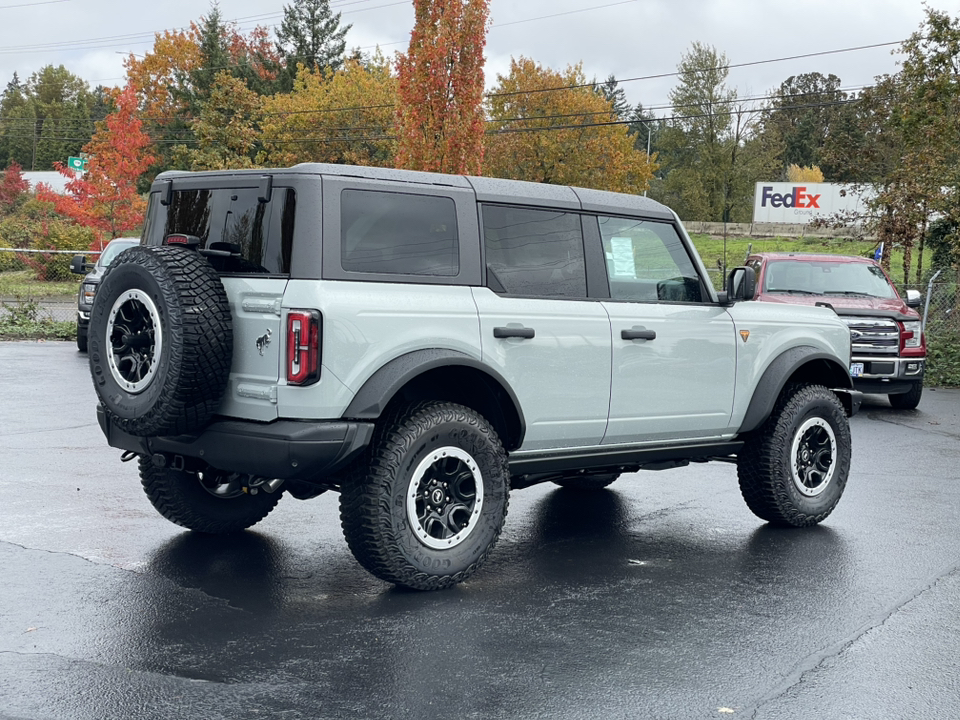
(398, 233)
(538, 253)
(153, 224)
(234, 228)
(647, 262)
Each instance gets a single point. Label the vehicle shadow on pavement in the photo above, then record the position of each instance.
(242, 568)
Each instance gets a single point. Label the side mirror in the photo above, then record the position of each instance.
(914, 299)
(78, 265)
(741, 284)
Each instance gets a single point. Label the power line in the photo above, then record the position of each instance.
(32, 4)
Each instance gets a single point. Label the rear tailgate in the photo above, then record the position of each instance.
(257, 347)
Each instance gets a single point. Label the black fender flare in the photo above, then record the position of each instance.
(780, 371)
(380, 388)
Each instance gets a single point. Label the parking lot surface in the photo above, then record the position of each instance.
(661, 597)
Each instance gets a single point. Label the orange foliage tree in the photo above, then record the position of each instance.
(105, 197)
(344, 116)
(440, 119)
(545, 129)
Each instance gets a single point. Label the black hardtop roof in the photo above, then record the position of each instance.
(514, 192)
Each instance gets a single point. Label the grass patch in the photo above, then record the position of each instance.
(22, 320)
(710, 248)
(22, 284)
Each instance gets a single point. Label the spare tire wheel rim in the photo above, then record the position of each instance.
(445, 498)
(135, 340)
(813, 456)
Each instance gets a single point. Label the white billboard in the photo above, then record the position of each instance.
(784, 202)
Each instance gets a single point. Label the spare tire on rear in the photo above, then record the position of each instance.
(160, 341)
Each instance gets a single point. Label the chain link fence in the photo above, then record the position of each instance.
(34, 308)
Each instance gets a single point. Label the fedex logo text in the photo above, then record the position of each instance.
(799, 198)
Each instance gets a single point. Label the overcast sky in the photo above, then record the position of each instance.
(626, 38)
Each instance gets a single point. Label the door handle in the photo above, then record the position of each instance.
(638, 333)
(513, 332)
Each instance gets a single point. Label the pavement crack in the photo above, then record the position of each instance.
(40, 431)
(814, 661)
(932, 429)
(192, 678)
(183, 588)
(68, 554)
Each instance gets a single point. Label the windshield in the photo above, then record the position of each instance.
(826, 278)
(114, 249)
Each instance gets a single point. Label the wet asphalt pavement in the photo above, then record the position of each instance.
(662, 597)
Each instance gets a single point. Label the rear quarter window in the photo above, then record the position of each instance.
(398, 233)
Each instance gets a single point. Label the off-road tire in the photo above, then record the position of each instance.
(190, 326)
(81, 338)
(908, 400)
(180, 497)
(587, 482)
(764, 465)
(375, 496)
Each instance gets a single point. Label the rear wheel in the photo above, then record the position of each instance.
(908, 400)
(425, 506)
(587, 482)
(794, 467)
(208, 501)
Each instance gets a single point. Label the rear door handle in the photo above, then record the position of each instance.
(638, 333)
(513, 332)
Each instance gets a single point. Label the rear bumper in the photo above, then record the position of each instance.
(287, 449)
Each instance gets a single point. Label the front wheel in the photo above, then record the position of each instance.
(425, 506)
(908, 400)
(794, 467)
(81, 337)
(208, 501)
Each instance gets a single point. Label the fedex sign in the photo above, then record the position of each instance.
(797, 199)
(782, 202)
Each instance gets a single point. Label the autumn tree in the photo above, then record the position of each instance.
(903, 141)
(344, 116)
(105, 197)
(440, 121)
(13, 188)
(178, 76)
(545, 129)
(310, 35)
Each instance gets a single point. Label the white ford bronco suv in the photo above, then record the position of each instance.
(423, 344)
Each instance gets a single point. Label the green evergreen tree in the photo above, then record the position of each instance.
(310, 34)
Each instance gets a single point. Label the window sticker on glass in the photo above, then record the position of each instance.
(623, 260)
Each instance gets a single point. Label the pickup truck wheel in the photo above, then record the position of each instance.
(587, 482)
(425, 506)
(81, 337)
(209, 501)
(794, 467)
(160, 341)
(908, 400)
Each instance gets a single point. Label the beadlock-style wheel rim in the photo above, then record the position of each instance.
(813, 457)
(444, 498)
(135, 340)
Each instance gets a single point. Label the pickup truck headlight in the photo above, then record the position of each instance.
(88, 291)
(911, 334)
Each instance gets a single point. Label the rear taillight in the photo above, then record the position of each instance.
(303, 347)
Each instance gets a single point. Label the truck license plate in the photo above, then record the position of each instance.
(856, 369)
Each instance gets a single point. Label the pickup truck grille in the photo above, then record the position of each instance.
(874, 336)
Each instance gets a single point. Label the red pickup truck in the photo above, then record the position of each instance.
(889, 349)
